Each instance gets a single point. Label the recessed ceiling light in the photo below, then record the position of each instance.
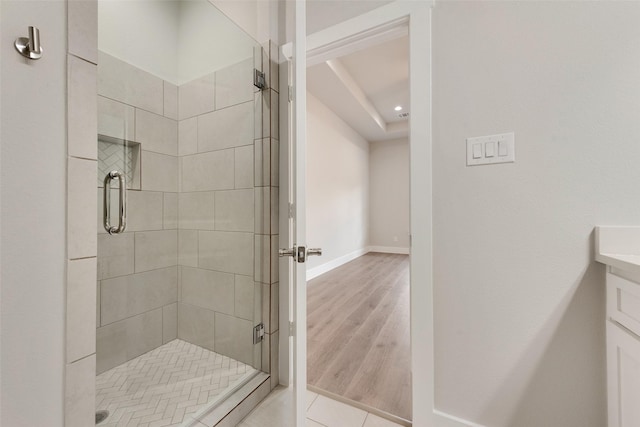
(398, 108)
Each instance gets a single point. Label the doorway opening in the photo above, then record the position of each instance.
(358, 317)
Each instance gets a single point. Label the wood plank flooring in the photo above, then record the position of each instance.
(358, 342)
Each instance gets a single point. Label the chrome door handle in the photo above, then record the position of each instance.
(122, 203)
(287, 252)
(314, 251)
(299, 253)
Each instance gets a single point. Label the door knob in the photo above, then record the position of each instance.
(314, 251)
(299, 253)
(287, 252)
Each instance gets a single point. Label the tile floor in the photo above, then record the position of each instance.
(167, 386)
(275, 411)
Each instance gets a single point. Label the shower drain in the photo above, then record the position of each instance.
(101, 416)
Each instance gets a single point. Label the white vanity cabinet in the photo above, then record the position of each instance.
(623, 350)
(619, 249)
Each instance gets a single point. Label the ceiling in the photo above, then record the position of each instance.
(365, 86)
(325, 13)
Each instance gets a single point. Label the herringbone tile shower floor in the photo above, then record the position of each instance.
(166, 386)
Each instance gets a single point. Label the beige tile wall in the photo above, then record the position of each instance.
(228, 237)
(82, 105)
(138, 270)
(216, 212)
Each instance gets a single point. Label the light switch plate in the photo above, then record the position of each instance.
(501, 149)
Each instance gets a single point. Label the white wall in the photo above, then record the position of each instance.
(143, 33)
(208, 41)
(519, 301)
(177, 41)
(33, 214)
(389, 195)
(337, 185)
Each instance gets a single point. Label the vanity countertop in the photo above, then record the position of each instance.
(619, 247)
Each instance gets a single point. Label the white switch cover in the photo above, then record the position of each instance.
(505, 144)
(477, 151)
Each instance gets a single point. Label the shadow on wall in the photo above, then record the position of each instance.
(570, 345)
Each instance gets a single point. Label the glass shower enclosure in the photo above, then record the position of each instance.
(179, 293)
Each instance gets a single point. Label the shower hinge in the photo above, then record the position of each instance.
(258, 333)
(290, 93)
(292, 329)
(292, 210)
(258, 79)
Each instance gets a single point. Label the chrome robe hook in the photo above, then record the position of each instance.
(30, 47)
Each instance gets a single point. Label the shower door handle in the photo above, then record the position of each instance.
(122, 202)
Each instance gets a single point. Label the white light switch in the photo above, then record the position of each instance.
(483, 150)
(503, 148)
(490, 149)
(477, 151)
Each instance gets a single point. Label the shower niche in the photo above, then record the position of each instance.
(182, 289)
(121, 155)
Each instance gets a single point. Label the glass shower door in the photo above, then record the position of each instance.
(181, 290)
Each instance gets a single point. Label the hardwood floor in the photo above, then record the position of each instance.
(358, 340)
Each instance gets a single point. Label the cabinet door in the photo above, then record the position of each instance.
(623, 365)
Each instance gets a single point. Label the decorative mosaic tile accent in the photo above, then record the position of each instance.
(167, 385)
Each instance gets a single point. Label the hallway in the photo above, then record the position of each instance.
(358, 333)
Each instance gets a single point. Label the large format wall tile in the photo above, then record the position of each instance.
(262, 260)
(156, 249)
(188, 136)
(244, 166)
(196, 210)
(262, 155)
(231, 252)
(208, 171)
(196, 97)
(169, 322)
(124, 340)
(159, 172)
(81, 229)
(262, 210)
(234, 84)
(80, 393)
(127, 296)
(156, 133)
(116, 119)
(170, 211)
(234, 338)
(144, 211)
(196, 325)
(226, 128)
(82, 24)
(234, 210)
(244, 297)
(208, 289)
(188, 248)
(115, 255)
(170, 100)
(81, 308)
(82, 117)
(128, 84)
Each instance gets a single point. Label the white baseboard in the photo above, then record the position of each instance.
(389, 250)
(446, 420)
(335, 263)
